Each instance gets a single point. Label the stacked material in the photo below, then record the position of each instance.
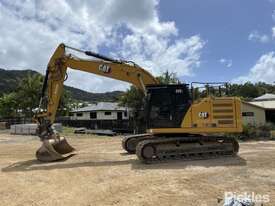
(3, 125)
(30, 129)
(83, 130)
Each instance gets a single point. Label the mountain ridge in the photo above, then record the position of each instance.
(9, 80)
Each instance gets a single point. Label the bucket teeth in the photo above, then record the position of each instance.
(53, 150)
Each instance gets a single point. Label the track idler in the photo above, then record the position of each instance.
(130, 142)
(54, 149)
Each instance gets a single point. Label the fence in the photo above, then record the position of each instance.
(120, 126)
(17, 120)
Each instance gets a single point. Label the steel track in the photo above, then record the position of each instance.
(159, 149)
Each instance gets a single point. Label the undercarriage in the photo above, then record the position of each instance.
(156, 148)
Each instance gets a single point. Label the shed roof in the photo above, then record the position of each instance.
(265, 97)
(253, 105)
(265, 104)
(266, 101)
(101, 106)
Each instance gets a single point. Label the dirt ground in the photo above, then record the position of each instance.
(102, 174)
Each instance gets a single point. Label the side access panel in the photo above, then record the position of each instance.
(210, 115)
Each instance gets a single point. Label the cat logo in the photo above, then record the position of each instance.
(203, 115)
(104, 68)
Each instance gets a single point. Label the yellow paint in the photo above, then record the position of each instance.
(59, 63)
(209, 115)
(224, 116)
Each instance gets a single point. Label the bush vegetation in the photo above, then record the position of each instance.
(257, 132)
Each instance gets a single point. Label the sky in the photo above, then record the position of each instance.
(210, 40)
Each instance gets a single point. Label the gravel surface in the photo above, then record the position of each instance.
(102, 174)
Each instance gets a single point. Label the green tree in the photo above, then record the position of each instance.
(168, 78)
(133, 98)
(8, 105)
(247, 90)
(28, 93)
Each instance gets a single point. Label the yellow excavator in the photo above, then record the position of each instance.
(178, 127)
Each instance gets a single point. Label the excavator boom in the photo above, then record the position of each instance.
(55, 147)
(178, 127)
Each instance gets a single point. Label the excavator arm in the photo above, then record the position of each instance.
(55, 147)
(179, 128)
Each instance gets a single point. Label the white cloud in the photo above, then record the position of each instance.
(157, 55)
(258, 37)
(227, 62)
(263, 70)
(30, 31)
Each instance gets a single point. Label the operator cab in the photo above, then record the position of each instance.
(166, 105)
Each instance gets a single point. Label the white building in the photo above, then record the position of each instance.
(259, 111)
(267, 102)
(101, 111)
(252, 114)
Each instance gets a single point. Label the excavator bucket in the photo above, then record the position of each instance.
(53, 150)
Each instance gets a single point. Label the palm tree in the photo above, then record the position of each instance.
(28, 93)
